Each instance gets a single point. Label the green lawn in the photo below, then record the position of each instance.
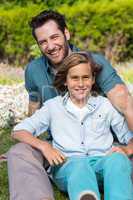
(5, 143)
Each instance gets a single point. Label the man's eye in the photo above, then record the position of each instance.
(55, 37)
(42, 43)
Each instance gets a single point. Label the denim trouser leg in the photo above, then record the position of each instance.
(76, 176)
(117, 178)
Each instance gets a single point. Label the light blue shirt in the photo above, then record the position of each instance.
(91, 136)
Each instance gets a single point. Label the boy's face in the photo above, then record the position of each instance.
(53, 42)
(79, 82)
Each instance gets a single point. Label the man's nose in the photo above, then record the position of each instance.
(50, 46)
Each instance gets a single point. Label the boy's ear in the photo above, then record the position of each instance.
(67, 34)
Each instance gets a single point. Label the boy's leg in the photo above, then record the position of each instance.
(77, 178)
(117, 177)
(132, 167)
(27, 176)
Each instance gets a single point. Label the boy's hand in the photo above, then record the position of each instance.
(54, 156)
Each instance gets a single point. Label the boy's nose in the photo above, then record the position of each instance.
(80, 82)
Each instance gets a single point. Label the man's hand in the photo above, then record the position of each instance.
(120, 149)
(54, 156)
(128, 149)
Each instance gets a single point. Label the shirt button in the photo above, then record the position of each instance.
(82, 123)
(82, 142)
(87, 153)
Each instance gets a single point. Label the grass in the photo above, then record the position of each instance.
(127, 75)
(9, 81)
(5, 143)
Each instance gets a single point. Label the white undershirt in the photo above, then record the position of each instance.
(78, 112)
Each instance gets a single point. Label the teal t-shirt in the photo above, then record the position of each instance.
(39, 78)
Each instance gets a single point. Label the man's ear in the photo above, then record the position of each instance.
(67, 34)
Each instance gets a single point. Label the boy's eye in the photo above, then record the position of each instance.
(74, 78)
(86, 77)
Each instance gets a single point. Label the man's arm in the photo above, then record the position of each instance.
(31, 87)
(53, 156)
(111, 84)
(123, 101)
(32, 107)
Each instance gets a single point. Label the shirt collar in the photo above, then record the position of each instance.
(92, 104)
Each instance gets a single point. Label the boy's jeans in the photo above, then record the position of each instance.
(80, 174)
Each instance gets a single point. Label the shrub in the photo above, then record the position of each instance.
(100, 25)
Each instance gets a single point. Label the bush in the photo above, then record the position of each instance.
(100, 25)
(103, 26)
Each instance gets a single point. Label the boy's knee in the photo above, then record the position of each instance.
(119, 161)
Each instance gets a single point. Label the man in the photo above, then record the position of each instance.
(26, 164)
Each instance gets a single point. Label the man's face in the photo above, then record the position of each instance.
(52, 42)
(79, 82)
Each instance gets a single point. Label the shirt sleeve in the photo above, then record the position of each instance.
(108, 77)
(119, 126)
(38, 123)
(30, 85)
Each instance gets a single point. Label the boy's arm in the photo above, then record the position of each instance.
(120, 128)
(53, 156)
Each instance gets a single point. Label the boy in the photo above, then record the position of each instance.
(80, 126)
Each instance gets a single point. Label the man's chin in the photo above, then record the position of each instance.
(55, 61)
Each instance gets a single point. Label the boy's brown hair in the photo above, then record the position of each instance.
(70, 61)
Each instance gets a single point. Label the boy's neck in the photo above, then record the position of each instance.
(79, 104)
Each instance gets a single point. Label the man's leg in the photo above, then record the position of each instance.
(117, 177)
(28, 179)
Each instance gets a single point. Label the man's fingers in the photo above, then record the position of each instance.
(117, 149)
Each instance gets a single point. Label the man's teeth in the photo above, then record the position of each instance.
(54, 53)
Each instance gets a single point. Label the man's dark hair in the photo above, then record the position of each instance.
(43, 17)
